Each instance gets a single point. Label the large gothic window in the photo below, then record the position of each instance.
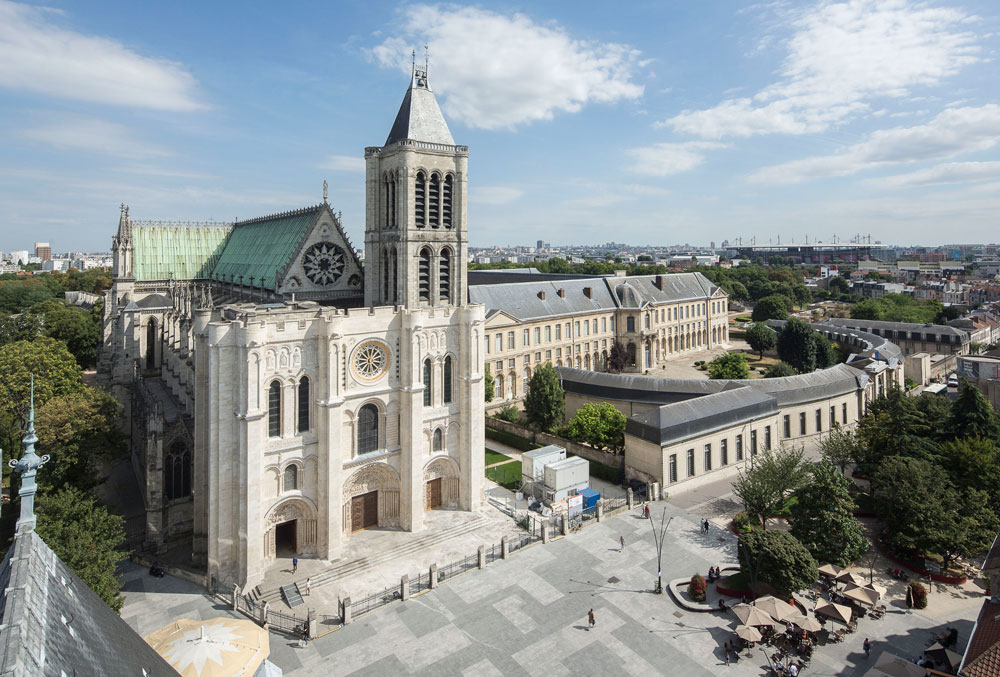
(444, 275)
(151, 344)
(424, 274)
(446, 385)
(177, 472)
(427, 382)
(274, 409)
(434, 201)
(291, 478)
(420, 201)
(303, 405)
(446, 202)
(367, 429)
(385, 274)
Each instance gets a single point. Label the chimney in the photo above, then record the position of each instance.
(588, 292)
(659, 282)
(541, 295)
(561, 293)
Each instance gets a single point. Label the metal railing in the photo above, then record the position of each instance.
(459, 567)
(376, 601)
(493, 553)
(283, 622)
(420, 583)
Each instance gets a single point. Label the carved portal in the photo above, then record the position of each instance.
(375, 477)
(441, 474)
(305, 516)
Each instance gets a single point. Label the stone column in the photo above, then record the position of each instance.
(503, 548)
(434, 576)
(411, 508)
(404, 587)
(346, 616)
(545, 533)
(565, 525)
(600, 512)
(482, 556)
(631, 499)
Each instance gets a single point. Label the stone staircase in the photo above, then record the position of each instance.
(344, 570)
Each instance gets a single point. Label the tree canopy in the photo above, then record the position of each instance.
(489, 385)
(777, 559)
(763, 486)
(972, 414)
(897, 308)
(731, 365)
(599, 425)
(779, 369)
(774, 307)
(840, 447)
(618, 357)
(545, 403)
(761, 338)
(822, 517)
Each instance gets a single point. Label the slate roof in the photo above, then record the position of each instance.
(672, 423)
(874, 344)
(419, 117)
(53, 624)
(262, 248)
(177, 252)
(865, 325)
(154, 301)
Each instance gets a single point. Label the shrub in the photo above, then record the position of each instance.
(510, 440)
(697, 588)
(510, 413)
(919, 595)
(742, 520)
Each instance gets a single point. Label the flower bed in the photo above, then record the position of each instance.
(941, 578)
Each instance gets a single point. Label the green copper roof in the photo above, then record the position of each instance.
(258, 251)
(177, 252)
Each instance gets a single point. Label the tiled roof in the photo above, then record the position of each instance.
(982, 656)
(53, 624)
(175, 252)
(672, 423)
(262, 248)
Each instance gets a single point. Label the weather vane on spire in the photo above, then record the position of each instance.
(28, 466)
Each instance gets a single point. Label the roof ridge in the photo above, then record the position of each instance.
(280, 215)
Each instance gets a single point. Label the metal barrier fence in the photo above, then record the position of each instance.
(518, 542)
(420, 583)
(493, 553)
(615, 503)
(285, 622)
(376, 601)
(459, 567)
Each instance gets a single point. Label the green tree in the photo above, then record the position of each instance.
(731, 365)
(19, 327)
(545, 403)
(774, 474)
(822, 518)
(972, 414)
(86, 537)
(761, 338)
(893, 426)
(18, 295)
(826, 354)
(840, 448)
(779, 369)
(974, 463)
(77, 430)
(489, 386)
(777, 559)
(935, 410)
(774, 307)
(74, 327)
(868, 309)
(599, 425)
(840, 285)
(617, 358)
(797, 345)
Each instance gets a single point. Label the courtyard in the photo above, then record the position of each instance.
(528, 615)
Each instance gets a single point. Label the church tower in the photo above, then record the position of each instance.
(416, 238)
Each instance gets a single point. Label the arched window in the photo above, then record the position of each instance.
(367, 429)
(438, 440)
(499, 387)
(274, 409)
(394, 281)
(525, 380)
(151, 344)
(387, 196)
(427, 382)
(647, 321)
(291, 478)
(420, 201)
(434, 201)
(446, 202)
(392, 200)
(304, 404)
(177, 472)
(446, 382)
(444, 276)
(385, 274)
(424, 274)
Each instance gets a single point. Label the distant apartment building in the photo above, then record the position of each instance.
(19, 256)
(913, 338)
(43, 250)
(876, 290)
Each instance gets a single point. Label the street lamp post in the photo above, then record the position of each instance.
(658, 541)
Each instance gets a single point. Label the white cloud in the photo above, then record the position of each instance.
(39, 56)
(950, 172)
(664, 159)
(498, 71)
(494, 195)
(841, 55)
(344, 163)
(953, 132)
(68, 132)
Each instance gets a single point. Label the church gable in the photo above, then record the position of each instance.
(324, 265)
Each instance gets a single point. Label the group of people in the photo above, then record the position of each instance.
(713, 574)
(786, 665)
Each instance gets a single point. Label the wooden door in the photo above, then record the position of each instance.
(357, 513)
(434, 494)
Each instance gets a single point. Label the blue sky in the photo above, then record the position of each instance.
(646, 123)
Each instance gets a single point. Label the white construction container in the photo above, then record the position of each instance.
(533, 464)
(566, 477)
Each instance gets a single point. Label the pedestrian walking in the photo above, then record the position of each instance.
(305, 635)
(308, 586)
(868, 648)
(590, 619)
(726, 648)
(621, 541)
(707, 525)
(295, 563)
(647, 511)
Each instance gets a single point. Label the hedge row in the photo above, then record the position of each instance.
(606, 472)
(510, 440)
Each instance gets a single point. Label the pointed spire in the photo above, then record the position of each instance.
(28, 466)
(419, 117)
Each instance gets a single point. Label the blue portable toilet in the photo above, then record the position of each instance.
(589, 498)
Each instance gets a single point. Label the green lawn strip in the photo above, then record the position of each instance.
(507, 475)
(493, 457)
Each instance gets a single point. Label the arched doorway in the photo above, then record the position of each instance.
(290, 529)
(441, 483)
(371, 498)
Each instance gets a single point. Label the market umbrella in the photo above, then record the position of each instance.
(880, 589)
(751, 615)
(749, 633)
(837, 612)
(894, 666)
(831, 570)
(219, 647)
(807, 623)
(941, 654)
(850, 577)
(864, 596)
(777, 609)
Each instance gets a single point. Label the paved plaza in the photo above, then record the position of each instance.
(528, 615)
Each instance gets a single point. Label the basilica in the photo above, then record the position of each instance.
(282, 396)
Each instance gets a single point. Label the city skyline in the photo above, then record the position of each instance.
(667, 125)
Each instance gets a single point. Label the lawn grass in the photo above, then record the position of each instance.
(507, 475)
(495, 457)
(737, 581)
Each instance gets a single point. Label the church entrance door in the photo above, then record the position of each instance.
(286, 539)
(434, 494)
(364, 511)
